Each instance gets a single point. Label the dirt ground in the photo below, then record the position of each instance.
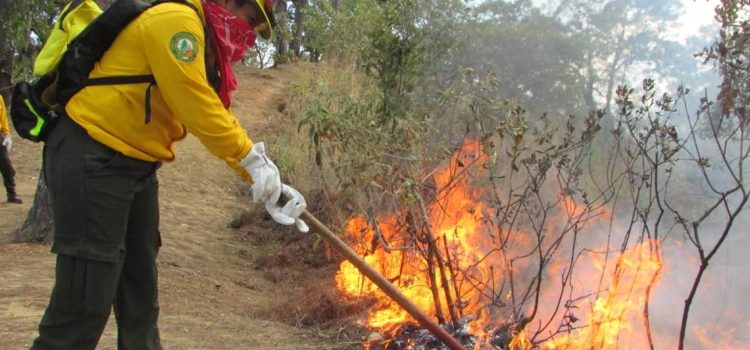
(254, 287)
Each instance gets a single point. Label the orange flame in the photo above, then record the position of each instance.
(617, 285)
(614, 313)
(455, 220)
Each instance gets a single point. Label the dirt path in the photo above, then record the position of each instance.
(220, 287)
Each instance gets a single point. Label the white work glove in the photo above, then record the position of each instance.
(8, 142)
(267, 188)
(290, 212)
(266, 180)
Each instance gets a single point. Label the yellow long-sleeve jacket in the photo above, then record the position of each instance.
(167, 41)
(4, 127)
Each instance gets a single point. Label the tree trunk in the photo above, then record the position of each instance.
(281, 48)
(6, 71)
(314, 56)
(299, 27)
(38, 227)
(614, 69)
(590, 79)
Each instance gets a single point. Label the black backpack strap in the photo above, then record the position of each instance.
(212, 70)
(125, 79)
(148, 102)
(89, 47)
(129, 79)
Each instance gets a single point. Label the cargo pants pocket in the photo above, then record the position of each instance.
(85, 286)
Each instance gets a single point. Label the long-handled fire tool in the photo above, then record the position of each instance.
(383, 283)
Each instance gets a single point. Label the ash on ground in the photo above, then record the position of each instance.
(412, 337)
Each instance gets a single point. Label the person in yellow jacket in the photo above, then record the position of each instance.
(6, 168)
(101, 158)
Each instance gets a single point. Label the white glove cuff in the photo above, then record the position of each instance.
(256, 157)
(266, 179)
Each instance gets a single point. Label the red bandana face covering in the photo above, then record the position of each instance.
(230, 38)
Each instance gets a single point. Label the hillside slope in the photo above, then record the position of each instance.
(220, 287)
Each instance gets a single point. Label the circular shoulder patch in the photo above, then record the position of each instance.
(184, 46)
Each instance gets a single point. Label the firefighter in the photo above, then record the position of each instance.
(6, 168)
(101, 159)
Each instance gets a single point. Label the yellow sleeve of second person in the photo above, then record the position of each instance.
(175, 48)
(4, 127)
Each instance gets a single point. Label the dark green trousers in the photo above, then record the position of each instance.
(7, 171)
(106, 216)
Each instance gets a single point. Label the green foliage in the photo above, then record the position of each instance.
(729, 53)
(282, 33)
(283, 156)
(342, 128)
(23, 26)
(339, 33)
(536, 58)
(378, 136)
(568, 57)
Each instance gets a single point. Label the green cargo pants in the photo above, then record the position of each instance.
(6, 171)
(106, 215)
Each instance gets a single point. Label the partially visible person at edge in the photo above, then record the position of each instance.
(6, 168)
(100, 164)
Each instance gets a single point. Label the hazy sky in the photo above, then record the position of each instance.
(697, 13)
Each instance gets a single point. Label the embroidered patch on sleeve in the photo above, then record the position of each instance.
(184, 46)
